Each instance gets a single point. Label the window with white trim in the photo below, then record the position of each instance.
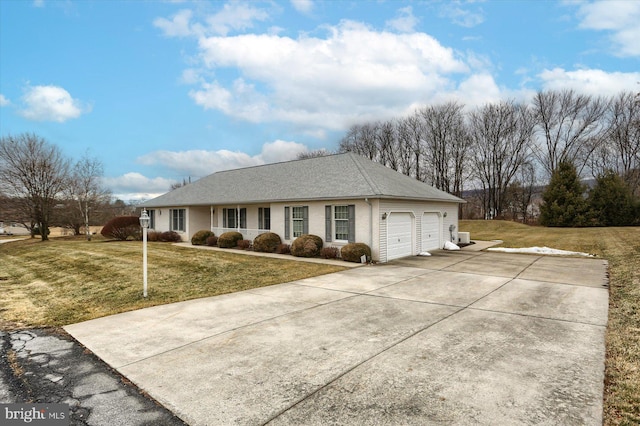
(341, 222)
(230, 218)
(297, 221)
(177, 220)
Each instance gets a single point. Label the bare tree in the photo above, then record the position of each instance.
(571, 126)
(85, 190)
(623, 137)
(447, 144)
(411, 139)
(315, 153)
(34, 171)
(501, 135)
(361, 139)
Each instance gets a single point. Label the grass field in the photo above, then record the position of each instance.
(67, 280)
(621, 247)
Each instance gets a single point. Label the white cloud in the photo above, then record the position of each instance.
(621, 18)
(590, 81)
(50, 103)
(324, 82)
(200, 163)
(405, 22)
(135, 186)
(302, 6)
(178, 26)
(462, 15)
(232, 16)
(4, 101)
(38, 3)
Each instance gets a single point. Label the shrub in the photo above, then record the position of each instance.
(306, 246)
(212, 241)
(352, 252)
(153, 236)
(122, 228)
(229, 239)
(244, 244)
(267, 242)
(200, 237)
(564, 203)
(170, 237)
(283, 249)
(330, 253)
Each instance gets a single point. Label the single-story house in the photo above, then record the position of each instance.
(341, 198)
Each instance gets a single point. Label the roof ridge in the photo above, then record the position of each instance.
(365, 175)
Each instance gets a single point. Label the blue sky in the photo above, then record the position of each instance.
(165, 90)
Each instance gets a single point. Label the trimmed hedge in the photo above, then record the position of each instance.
(212, 241)
(307, 246)
(170, 237)
(283, 249)
(229, 239)
(267, 242)
(122, 228)
(244, 244)
(200, 237)
(330, 253)
(353, 251)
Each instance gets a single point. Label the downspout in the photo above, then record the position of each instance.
(366, 200)
(238, 218)
(211, 218)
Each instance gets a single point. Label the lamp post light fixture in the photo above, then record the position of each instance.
(144, 223)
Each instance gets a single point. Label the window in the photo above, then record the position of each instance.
(297, 217)
(152, 219)
(296, 221)
(340, 223)
(230, 218)
(264, 218)
(176, 219)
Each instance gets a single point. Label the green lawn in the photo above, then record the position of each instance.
(621, 247)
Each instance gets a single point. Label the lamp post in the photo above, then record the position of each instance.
(144, 223)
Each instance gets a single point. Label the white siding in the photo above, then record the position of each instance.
(417, 209)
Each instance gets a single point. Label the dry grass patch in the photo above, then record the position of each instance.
(621, 247)
(67, 280)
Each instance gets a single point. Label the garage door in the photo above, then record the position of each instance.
(399, 235)
(430, 231)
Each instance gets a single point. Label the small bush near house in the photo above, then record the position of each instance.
(283, 249)
(353, 251)
(330, 253)
(200, 237)
(306, 246)
(267, 242)
(122, 228)
(229, 239)
(244, 244)
(153, 236)
(170, 237)
(212, 241)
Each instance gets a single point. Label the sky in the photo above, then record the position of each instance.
(167, 91)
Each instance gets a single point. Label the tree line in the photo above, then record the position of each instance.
(503, 150)
(40, 187)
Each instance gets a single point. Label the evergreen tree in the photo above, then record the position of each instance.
(611, 202)
(564, 203)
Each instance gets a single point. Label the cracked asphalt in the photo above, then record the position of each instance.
(49, 366)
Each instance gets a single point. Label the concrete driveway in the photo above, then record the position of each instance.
(455, 338)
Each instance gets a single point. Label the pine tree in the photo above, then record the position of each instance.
(611, 202)
(564, 203)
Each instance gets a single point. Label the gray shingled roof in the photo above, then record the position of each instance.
(340, 176)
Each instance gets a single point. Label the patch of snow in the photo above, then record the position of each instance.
(448, 245)
(424, 253)
(540, 250)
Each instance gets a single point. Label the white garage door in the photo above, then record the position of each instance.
(399, 235)
(430, 231)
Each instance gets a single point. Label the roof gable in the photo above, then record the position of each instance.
(337, 176)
